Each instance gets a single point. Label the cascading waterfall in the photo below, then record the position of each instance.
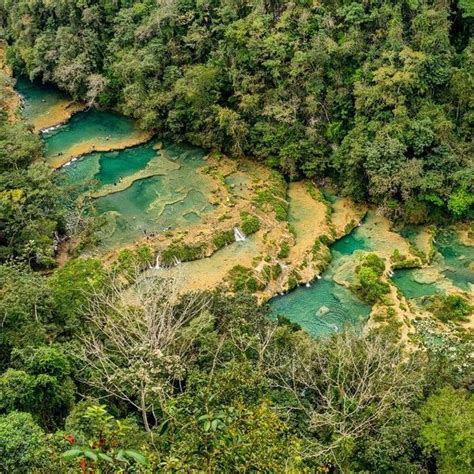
(239, 236)
(51, 129)
(158, 262)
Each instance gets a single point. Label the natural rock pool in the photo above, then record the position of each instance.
(142, 190)
(90, 131)
(326, 306)
(451, 267)
(145, 188)
(44, 106)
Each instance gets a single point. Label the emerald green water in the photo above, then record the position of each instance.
(453, 262)
(92, 126)
(326, 307)
(37, 98)
(174, 198)
(101, 168)
(164, 189)
(410, 233)
(352, 242)
(405, 279)
(456, 259)
(138, 189)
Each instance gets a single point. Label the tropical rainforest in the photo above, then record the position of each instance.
(377, 94)
(373, 96)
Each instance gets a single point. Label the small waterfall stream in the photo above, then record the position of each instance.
(239, 235)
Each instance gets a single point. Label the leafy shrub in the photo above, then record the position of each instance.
(369, 287)
(250, 224)
(325, 239)
(451, 307)
(243, 279)
(446, 433)
(23, 444)
(293, 280)
(182, 252)
(284, 250)
(272, 272)
(402, 261)
(223, 238)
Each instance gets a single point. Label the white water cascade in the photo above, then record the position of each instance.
(158, 262)
(239, 236)
(50, 129)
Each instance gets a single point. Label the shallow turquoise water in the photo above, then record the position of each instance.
(149, 205)
(175, 193)
(89, 126)
(308, 306)
(116, 166)
(452, 259)
(410, 232)
(457, 258)
(38, 98)
(406, 282)
(178, 198)
(101, 168)
(326, 307)
(349, 244)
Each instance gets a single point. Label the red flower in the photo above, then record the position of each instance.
(83, 464)
(69, 439)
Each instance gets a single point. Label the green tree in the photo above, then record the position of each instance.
(447, 431)
(39, 383)
(71, 287)
(369, 285)
(23, 444)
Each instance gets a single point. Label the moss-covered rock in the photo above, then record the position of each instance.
(182, 253)
(250, 224)
(223, 238)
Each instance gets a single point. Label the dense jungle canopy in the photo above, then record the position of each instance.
(107, 367)
(374, 94)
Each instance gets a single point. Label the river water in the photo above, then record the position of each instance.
(146, 186)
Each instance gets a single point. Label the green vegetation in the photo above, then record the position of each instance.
(243, 279)
(104, 368)
(284, 250)
(325, 239)
(293, 280)
(315, 90)
(227, 388)
(273, 197)
(448, 417)
(223, 238)
(272, 272)
(250, 224)
(454, 308)
(368, 285)
(30, 203)
(23, 444)
(402, 261)
(182, 253)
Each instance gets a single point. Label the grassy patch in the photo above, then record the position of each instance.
(273, 196)
(243, 279)
(250, 224)
(182, 252)
(284, 250)
(271, 272)
(223, 238)
(399, 260)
